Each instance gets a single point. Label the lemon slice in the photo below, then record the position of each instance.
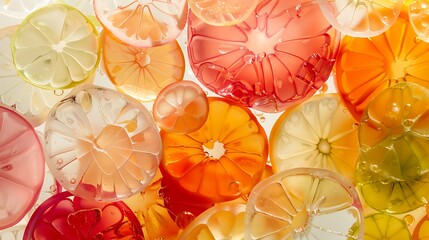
(304, 203)
(383, 226)
(20, 8)
(63, 50)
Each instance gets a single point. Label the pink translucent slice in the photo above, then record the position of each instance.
(279, 56)
(21, 167)
(102, 144)
(67, 217)
(181, 107)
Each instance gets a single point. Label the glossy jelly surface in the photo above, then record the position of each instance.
(22, 167)
(318, 133)
(142, 72)
(181, 107)
(223, 159)
(31, 102)
(279, 56)
(102, 144)
(222, 12)
(142, 23)
(304, 203)
(418, 12)
(65, 216)
(366, 18)
(383, 226)
(366, 66)
(64, 50)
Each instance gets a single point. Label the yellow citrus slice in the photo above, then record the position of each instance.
(20, 8)
(142, 23)
(142, 72)
(222, 221)
(304, 203)
(223, 12)
(382, 226)
(63, 50)
(318, 133)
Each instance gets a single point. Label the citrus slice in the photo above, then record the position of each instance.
(223, 12)
(366, 66)
(418, 13)
(31, 102)
(181, 107)
(318, 133)
(222, 160)
(278, 57)
(85, 6)
(304, 203)
(142, 72)
(67, 217)
(13, 233)
(20, 8)
(422, 229)
(21, 167)
(102, 144)
(142, 23)
(383, 226)
(222, 221)
(63, 51)
(365, 18)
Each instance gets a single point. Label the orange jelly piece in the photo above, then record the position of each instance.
(222, 160)
(366, 66)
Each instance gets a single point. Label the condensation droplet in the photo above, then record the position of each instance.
(408, 123)
(72, 181)
(323, 89)
(355, 125)
(183, 219)
(235, 188)
(417, 40)
(262, 119)
(53, 189)
(60, 161)
(409, 220)
(58, 92)
(407, 107)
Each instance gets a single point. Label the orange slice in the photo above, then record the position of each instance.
(366, 66)
(142, 72)
(318, 133)
(144, 23)
(302, 203)
(222, 160)
(222, 12)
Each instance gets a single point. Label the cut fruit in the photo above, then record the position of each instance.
(319, 133)
(223, 12)
(20, 8)
(142, 72)
(421, 231)
(63, 50)
(142, 23)
(366, 66)
(85, 6)
(383, 226)
(222, 160)
(304, 203)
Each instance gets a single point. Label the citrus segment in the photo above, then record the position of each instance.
(20, 8)
(383, 226)
(142, 23)
(222, 160)
(366, 66)
(102, 144)
(181, 107)
(361, 18)
(64, 50)
(21, 167)
(85, 6)
(142, 72)
(223, 12)
(318, 133)
(303, 203)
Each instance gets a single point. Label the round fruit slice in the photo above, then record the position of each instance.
(318, 133)
(366, 66)
(31, 102)
(63, 51)
(383, 226)
(304, 203)
(20, 8)
(181, 107)
(422, 229)
(142, 23)
(364, 18)
(102, 144)
(85, 6)
(223, 221)
(21, 167)
(418, 13)
(142, 72)
(223, 12)
(222, 160)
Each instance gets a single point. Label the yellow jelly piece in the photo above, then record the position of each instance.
(383, 226)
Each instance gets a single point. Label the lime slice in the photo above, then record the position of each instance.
(63, 50)
(383, 226)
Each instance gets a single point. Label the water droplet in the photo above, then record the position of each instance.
(408, 219)
(262, 119)
(6, 168)
(206, 92)
(323, 89)
(60, 161)
(417, 40)
(58, 92)
(248, 59)
(408, 123)
(407, 107)
(183, 219)
(355, 125)
(374, 168)
(53, 189)
(236, 188)
(72, 181)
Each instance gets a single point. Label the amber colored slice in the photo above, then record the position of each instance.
(142, 23)
(366, 66)
(318, 133)
(422, 229)
(304, 203)
(181, 107)
(222, 160)
(142, 72)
